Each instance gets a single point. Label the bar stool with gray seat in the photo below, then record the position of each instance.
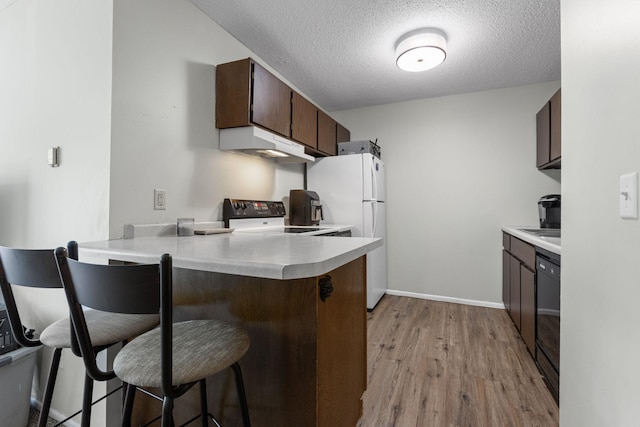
(173, 357)
(36, 268)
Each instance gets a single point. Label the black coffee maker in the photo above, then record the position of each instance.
(304, 208)
(549, 210)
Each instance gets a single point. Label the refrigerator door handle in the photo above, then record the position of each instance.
(374, 181)
(374, 222)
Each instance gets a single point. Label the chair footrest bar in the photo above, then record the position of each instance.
(92, 403)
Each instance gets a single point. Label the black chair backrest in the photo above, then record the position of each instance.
(132, 289)
(34, 268)
(30, 267)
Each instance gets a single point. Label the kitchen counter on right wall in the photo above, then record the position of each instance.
(551, 244)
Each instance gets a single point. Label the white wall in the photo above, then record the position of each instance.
(163, 126)
(600, 342)
(59, 63)
(458, 168)
(55, 81)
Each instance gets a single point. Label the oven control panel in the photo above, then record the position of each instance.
(238, 208)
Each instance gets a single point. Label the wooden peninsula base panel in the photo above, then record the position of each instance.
(307, 363)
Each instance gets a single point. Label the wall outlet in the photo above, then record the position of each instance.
(159, 200)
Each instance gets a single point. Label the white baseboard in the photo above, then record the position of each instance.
(446, 299)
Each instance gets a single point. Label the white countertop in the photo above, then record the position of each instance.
(281, 257)
(551, 244)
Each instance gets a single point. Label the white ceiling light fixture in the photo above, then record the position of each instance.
(422, 51)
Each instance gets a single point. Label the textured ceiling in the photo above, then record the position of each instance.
(341, 53)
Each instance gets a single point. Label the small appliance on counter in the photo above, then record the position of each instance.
(549, 210)
(304, 208)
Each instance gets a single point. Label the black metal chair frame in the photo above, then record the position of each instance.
(135, 289)
(36, 268)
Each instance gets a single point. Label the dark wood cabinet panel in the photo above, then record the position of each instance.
(506, 280)
(271, 102)
(341, 351)
(528, 308)
(327, 132)
(233, 94)
(506, 241)
(304, 121)
(548, 134)
(524, 252)
(248, 94)
(543, 135)
(343, 134)
(555, 150)
(514, 290)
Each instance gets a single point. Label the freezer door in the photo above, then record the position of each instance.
(338, 182)
(374, 226)
(338, 177)
(373, 178)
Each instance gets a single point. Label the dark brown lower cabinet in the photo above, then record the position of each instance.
(514, 290)
(528, 308)
(307, 362)
(506, 280)
(519, 287)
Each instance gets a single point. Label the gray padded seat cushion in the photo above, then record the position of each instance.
(201, 348)
(104, 328)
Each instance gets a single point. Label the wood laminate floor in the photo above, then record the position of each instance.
(438, 364)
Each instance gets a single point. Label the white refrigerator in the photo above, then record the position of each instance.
(351, 190)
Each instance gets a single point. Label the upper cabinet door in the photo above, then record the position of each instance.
(548, 134)
(543, 135)
(304, 121)
(556, 119)
(343, 134)
(271, 98)
(233, 94)
(327, 132)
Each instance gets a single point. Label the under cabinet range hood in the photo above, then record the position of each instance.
(259, 142)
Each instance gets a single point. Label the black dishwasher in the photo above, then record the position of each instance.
(548, 318)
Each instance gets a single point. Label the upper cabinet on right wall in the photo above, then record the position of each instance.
(548, 135)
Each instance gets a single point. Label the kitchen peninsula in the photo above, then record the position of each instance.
(302, 300)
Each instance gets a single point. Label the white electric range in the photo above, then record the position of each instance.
(268, 217)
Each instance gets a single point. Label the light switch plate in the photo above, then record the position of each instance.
(53, 157)
(629, 196)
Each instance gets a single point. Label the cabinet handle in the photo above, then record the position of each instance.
(325, 287)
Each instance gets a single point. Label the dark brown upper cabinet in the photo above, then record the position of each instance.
(304, 122)
(343, 134)
(327, 134)
(271, 102)
(330, 133)
(548, 134)
(248, 94)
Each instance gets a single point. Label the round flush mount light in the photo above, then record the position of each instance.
(422, 51)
